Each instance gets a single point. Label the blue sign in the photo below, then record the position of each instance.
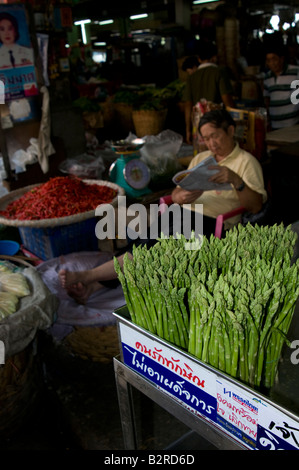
(193, 396)
(266, 440)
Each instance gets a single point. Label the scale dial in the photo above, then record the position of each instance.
(136, 174)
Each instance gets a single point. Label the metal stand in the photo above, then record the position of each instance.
(126, 378)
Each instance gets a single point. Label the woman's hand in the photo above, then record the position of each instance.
(182, 196)
(248, 198)
(225, 175)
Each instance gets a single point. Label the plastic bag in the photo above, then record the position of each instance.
(84, 166)
(160, 151)
(32, 150)
(19, 160)
(3, 176)
(21, 157)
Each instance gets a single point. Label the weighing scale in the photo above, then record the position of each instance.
(128, 171)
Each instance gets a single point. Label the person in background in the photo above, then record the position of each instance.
(190, 64)
(277, 88)
(209, 82)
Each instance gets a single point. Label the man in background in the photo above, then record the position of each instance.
(209, 82)
(190, 64)
(277, 88)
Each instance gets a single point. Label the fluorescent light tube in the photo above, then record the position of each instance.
(197, 2)
(105, 22)
(82, 22)
(137, 17)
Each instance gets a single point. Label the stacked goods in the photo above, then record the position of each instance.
(13, 286)
(229, 303)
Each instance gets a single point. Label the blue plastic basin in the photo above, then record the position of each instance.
(9, 247)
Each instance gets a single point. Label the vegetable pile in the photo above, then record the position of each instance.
(229, 303)
(59, 197)
(13, 286)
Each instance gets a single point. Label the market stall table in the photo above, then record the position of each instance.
(284, 136)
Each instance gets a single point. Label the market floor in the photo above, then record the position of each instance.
(77, 409)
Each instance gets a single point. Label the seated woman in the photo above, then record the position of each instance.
(235, 166)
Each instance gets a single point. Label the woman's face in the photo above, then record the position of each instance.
(217, 140)
(7, 32)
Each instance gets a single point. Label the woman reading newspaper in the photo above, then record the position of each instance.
(233, 178)
(237, 174)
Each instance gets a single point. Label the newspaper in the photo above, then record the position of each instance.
(198, 177)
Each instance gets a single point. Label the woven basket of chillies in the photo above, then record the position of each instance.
(62, 200)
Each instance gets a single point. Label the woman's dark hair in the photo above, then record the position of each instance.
(14, 22)
(220, 118)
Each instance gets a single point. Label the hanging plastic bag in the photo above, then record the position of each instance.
(159, 153)
(84, 166)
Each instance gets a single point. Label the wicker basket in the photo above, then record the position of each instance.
(149, 122)
(49, 238)
(21, 382)
(99, 344)
(58, 221)
(108, 112)
(123, 113)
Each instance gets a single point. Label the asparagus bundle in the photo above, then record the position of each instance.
(229, 303)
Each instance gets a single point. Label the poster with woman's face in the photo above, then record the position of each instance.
(16, 54)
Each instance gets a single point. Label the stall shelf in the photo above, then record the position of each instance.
(227, 413)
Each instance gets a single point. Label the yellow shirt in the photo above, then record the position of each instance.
(218, 202)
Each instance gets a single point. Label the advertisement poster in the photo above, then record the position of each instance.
(17, 71)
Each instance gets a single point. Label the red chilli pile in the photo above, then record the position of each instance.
(59, 197)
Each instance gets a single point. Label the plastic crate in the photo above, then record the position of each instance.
(50, 242)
